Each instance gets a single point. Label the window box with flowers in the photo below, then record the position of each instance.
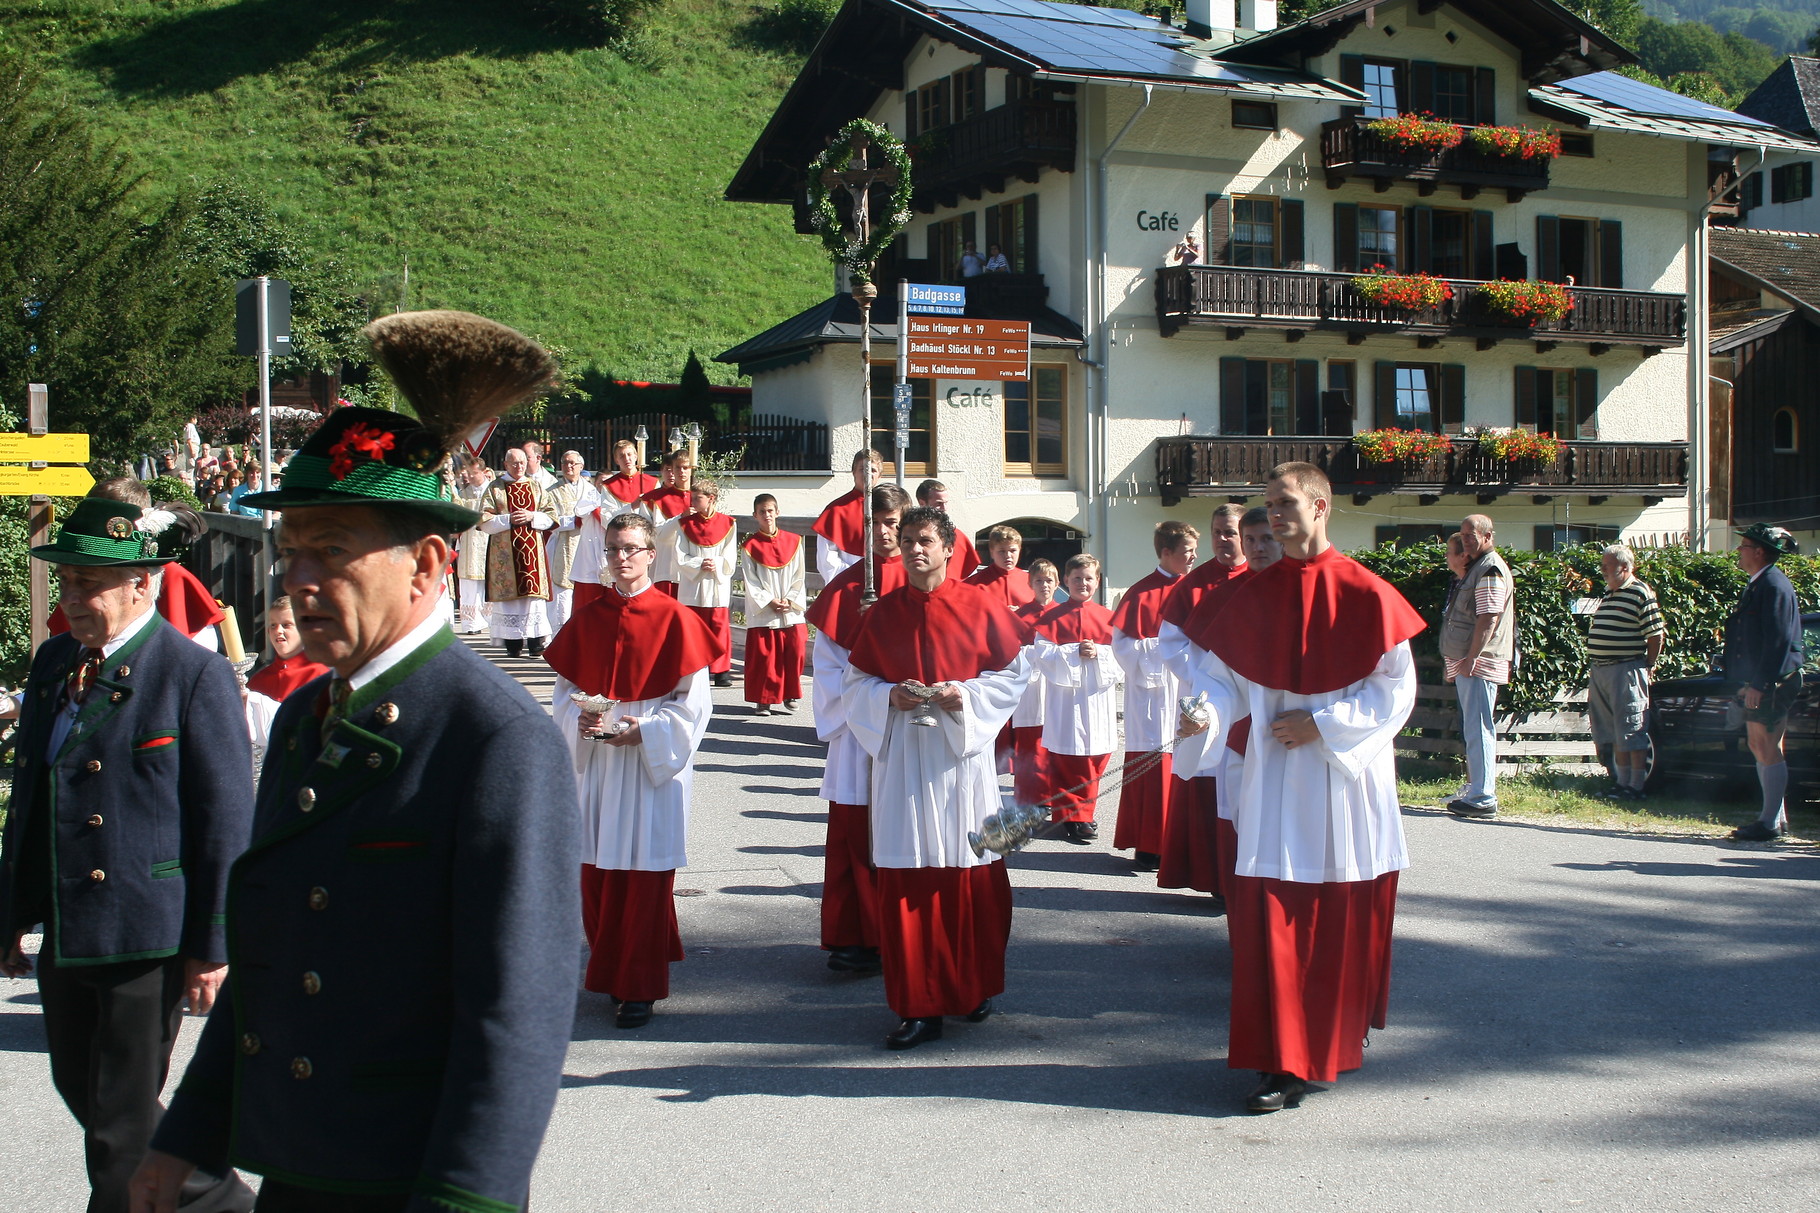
(1516, 142)
(1514, 445)
(1526, 302)
(1417, 132)
(1399, 446)
(1412, 292)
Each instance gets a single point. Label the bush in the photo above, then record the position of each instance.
(599, 21)
(1697, 591)
(790, 25)
(173, 488)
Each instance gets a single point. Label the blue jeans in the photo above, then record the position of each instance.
(1478, 700)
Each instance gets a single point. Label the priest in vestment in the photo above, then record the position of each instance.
(772, 567)
(1150, 695)
(840, 529)
(703, 546)
(651, 654)
(663, 503)
(1074, 658)
(573, 499)
(1319, 660)
(944, 913)
(849, 911)
(471, 551)
(514, 513)
(627, 484)
(1189, 859)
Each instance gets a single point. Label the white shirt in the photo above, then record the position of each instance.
(830, 561)
(1150, 689)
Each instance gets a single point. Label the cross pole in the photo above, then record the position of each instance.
(858, 179)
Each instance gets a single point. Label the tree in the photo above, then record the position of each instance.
(1619, 20)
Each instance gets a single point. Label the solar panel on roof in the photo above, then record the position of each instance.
(1638, 97)
(1074, 14)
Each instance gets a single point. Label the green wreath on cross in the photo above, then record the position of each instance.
(859, 258)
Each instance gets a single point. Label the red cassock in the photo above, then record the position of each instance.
(842, 523)
(1073, 789)
(1029, 760)
(1143, 800)
(281, 677)
(627, 490)
(774, 656)
(943, 931)
(1310, 961)
(706, 532)
(1190, 858)
(666, 503)
(183, 600)
(1012, 586)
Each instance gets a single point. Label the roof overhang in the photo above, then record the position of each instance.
(1577, 109)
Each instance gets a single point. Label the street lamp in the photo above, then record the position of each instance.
(693, 433)
(640, 436)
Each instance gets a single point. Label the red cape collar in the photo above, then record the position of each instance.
(843, 523)
(632, 648)
(1071, 622)
(949, 634)
(706, 532)
(1140, 611)
(773, 552)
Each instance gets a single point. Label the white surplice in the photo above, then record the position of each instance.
(830, 561)
(931, 786)
(847, 779)
(1080, 697)
(1150, 691)
(695, 586)
(1320, 813)
(766, 585)
(635, 799)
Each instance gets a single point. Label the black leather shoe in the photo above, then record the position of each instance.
(515, 648)
(632, 1015)
(1086, 830)
(1756, 831)
(913, 1032)
(864, 961)
(723, 680)
(1071, 830)
(534, 647)
(1145, 861)
(981, 1013)
(1276, 1092)
(1471, 811)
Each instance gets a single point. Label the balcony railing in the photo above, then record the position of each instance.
(1300, 299)
(978, 154)
(1349, 149)
(1217, 467)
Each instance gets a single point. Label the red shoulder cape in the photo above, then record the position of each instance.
(628, 489)
(964, 559)
(836, 609)
(1189, 588)
(1011, 587)
(1032, 613)
(774, 552)
(285, 675)
(842, 522)
(1072, 622)
(668, 502)
(706, 532)
(183, 600)
(632, 648)
(948, 635)
(1308, 627)
(1140, 611)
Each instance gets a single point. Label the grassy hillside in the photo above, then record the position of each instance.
(569, 190)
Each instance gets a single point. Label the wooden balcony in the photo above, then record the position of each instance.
(1348, 149)
(1236, 299)
(980, 154)
(1239, 467)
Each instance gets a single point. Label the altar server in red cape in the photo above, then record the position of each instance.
(944, 913)
(627, 484)
(664, 503)
(771, 565)
(1073, 656)
(849, 884)
(937, 496)
(1150, 695)
(651, 654)
(704, 551)
(291, 666)
(1029, 760)
(840, 529)
(1000, 576)
(1189, 859)
(1322, 667)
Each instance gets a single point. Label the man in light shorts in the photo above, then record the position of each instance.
(1626, 638)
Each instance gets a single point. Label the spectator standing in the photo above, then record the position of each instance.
(1763, 651)
(1478, 644)
(996, 262)
(1623, 645)
(254, 483)
(971, 265)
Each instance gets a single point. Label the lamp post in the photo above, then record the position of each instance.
(641, 436)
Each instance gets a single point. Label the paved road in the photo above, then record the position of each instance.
(1577, 1020)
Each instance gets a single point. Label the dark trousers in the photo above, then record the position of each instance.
(276, 1196)
(110, 1029)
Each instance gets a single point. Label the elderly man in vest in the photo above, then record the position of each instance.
(1478, 644)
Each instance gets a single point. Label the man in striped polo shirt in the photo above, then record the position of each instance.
(1626, 638)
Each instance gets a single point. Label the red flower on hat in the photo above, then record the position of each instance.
(370, 439)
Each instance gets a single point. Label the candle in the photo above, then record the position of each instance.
(230, 636)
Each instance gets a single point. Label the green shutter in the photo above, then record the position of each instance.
(1291, 210)
(1453, 397)
(1611, 254)
(1548, 248)
(1307, 396)
(1586, 403)
(1232, 395)
(1346, 237)
(1219, 228)
(1528, 388)
(1384, 398)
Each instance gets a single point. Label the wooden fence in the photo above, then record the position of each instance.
(769, 442)
(1560, 736)
(230, 560)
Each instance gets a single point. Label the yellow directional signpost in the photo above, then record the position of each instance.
(43, 448)
(45, 481)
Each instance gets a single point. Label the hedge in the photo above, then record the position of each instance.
(1697, 591)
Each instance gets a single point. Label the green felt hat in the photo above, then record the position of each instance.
(368, 457)
(99, 531)
(1774, 538)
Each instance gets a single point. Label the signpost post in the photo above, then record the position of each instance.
(262, 324)
(38, 514)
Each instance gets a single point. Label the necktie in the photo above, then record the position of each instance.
(82, 678)
(339, 691)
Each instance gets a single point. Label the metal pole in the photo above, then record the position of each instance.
(903, 375)
(863, 295)
(265, 440)
(39, 517)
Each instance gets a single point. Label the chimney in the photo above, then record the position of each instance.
(1259, 15)
(1205, 16)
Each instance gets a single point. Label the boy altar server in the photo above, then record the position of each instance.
(849, 884)
(1074, 658)
(840, 527)
(1000, 576)
(664, 503)
(1150, 695)
(771, 565)
(627, 484)
(704, 550)
(1029, 761)
(650, 654)
(1320, 663)
(944, 913)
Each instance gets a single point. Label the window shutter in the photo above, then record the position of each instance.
(1346, 237)
(993, 235)
(1232, 395)
(1485, 97)
(1219, 228)
(1292, 234)
(1528, 387)
(1548, 248)
(1611, 254)
(1586, 403)
(1545, 537)
(1778, 184)
(1421, 87)
(1029, 263)
(1384, 399)
(1484, 254)
(910, 101)
(1307, 396)
(1352, 74)
(1453, 397)
(1420, 220)
(968, 232)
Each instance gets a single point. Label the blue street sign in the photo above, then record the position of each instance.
(937, 300)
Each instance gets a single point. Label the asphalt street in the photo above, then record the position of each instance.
(1578, 1019)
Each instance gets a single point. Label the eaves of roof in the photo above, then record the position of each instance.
(1786, 264)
